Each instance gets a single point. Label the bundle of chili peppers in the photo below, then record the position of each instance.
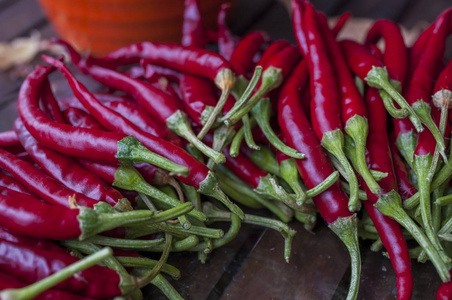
(179, 137)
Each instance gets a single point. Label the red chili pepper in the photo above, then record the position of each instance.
(11, 183)
(315, 168)
(113, 121)
(274, 48)
(40, 183)
(326, 99)
(193, 32)
(194, 61)
(379, 156)
(354, 111)
(78, 119)
(297, 24)
(242, 57)
(67, 171)
(444, 291)
(7, 281)
(396, 55)
(30, 241)
(10, 142)
(406, 188)
(15, 194)
(49, 103)
(78, 142)
(155, 101)
(31, 265)
(129, 109)
(226, 40)
(373, 72)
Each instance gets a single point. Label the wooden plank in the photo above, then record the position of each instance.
(375, 9)
(423, 11)
(20, 18)
(316, 267)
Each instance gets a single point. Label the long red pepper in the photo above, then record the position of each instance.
(68, 172)
(127, 178)
(79, 142)
(194, 61)
(373, 72)
(379, 156)
(354, 111)
(11, 183)
(169, 110)
(406, 188)
(226, 40)
(31, 264)
(315, 168)
(197, 93)
(10, 142)
(326, 99)
(30, 241)
(40, 183)
(247, 48)
(7, 281)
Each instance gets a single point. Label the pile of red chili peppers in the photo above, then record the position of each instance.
(185, 135)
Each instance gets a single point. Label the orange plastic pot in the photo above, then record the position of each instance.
(100, 26)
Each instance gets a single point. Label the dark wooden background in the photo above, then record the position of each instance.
(252, 266)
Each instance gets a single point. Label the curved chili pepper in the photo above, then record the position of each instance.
(31, 265)
(395, 56)
(155, 101)
(11, 183)
(406, 188)
(193, 32)
(128, 109)
(373, 72)
(315, 168)
(389, 230)
(10, 142)
(79, 142)
(40, 183)
(199, 177)
(444, 291)
(7, 281)
(242, 56)
(226, 40)
(30, 241)
(67, 171)
(326, 102)
(198, 62)
(354, 111)
(128, 179)
(78, 119)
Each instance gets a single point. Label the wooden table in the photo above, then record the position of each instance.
(252, 266)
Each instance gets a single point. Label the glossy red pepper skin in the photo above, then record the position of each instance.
(406, 188)
(77, 142)
(246, 50)
(379, 157)
(38, 219)
(315, 167)
(31, 264)
(193, 32)
(444, 291)
(7, 281)
(80, 118)
(244, 168)
(10, 142)
(359, 58)
(325, 102)
(30, 241)
(15, 194)
(190, 60)
(352, 103)
(272, 49)
(113, 121)
(67, 170)
(226, 40)
(11, 183)
(49, 103)
(41, 184)
(422, 82)
(129, 109)
(395, 56)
